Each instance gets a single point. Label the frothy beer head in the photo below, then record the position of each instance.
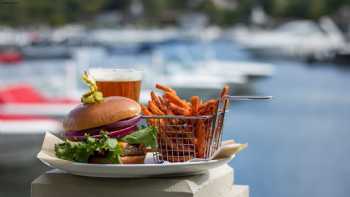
(118, 82)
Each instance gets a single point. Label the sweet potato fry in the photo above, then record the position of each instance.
(179, 110)
(145, 111)
(209, 102)
(195, 105)
(161, 100)
(195, 141)
(209, 107)
(165, 88)
(173, 98)
(203, 111)
(225, 91)
(200, 135)
(213, 106)
(155, 98)
(169, 111)
(154, 109)
(157, 102)
(166, 103)
(212, 102)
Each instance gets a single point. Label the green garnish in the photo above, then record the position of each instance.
(105, 145)
(93, 96)
(146, 136)
(82, 151)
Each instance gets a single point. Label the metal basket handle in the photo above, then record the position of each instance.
(247, 97)
(224, 102)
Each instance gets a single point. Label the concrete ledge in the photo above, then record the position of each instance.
(216, 182)
(240, 191)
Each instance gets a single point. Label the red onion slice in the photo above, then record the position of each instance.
(114, 134)
(122, 132)
(110, 127)
(123, 123)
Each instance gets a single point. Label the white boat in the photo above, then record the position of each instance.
(185, 76)
(14, 37)
(229, 70)
(302, 38)
(208, 77)
(132, 35)
(205, 86)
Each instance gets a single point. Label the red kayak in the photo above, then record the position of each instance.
(23, 109)
(12, 57)
(24, 100)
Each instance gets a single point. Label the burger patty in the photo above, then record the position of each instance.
(127, 150)
(132, 150)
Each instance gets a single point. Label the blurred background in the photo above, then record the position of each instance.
(294, 50)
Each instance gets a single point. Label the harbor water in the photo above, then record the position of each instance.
(298, 142)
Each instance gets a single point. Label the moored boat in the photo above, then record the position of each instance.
(24, 100)
(9, 55)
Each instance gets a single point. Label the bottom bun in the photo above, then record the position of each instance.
(137, 159)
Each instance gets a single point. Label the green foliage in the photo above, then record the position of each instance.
(59, 12)
(317, 8)
(312, 9)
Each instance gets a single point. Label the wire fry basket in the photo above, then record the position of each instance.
(182, 138)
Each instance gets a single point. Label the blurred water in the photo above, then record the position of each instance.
(298, 142)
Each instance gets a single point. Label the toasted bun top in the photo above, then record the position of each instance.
(111, 109)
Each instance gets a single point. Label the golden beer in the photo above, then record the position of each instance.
(118, 82)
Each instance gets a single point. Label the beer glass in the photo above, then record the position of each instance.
(118, 82)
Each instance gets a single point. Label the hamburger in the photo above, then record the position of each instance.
(106, 132)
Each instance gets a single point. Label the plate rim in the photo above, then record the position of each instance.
(168, 164)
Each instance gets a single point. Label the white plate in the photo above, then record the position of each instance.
(130, 170)
(47, 156)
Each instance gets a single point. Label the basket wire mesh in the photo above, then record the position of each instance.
(182, 138)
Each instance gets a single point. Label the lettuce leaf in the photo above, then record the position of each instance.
(81, 151)
(146, 136)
